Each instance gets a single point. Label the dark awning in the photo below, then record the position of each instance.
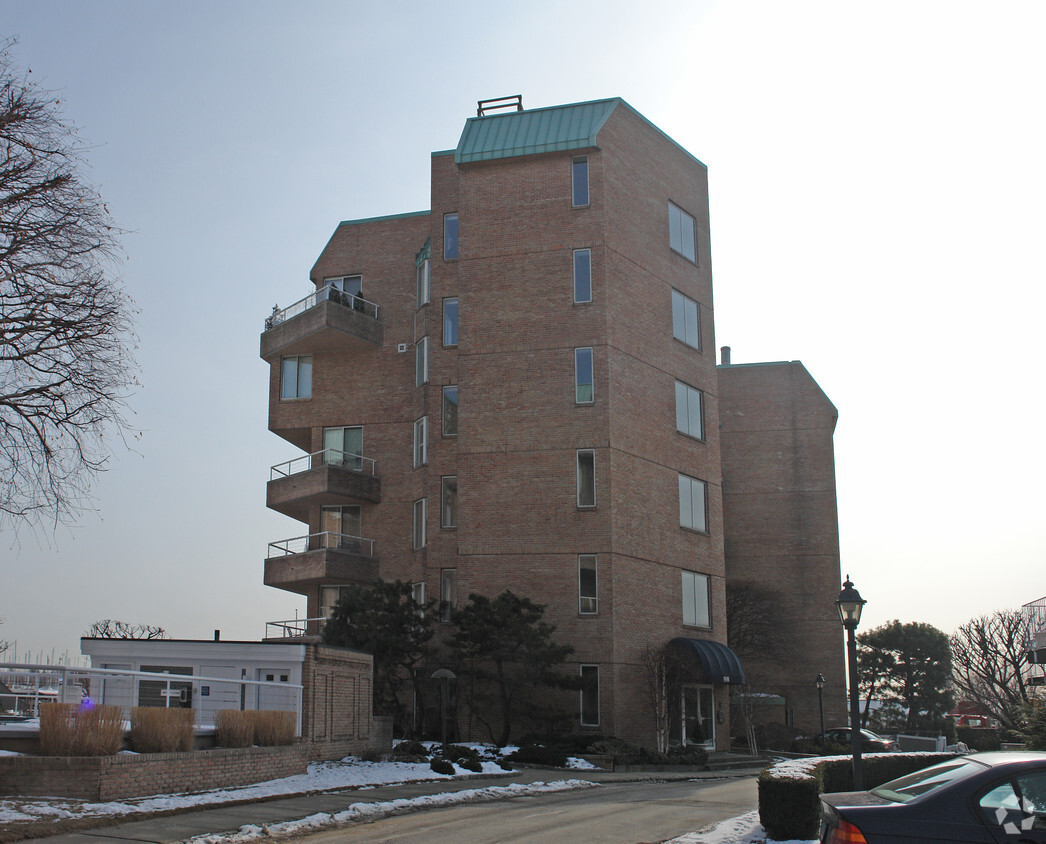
(715, 662)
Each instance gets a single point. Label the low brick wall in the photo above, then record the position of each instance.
(138, 775)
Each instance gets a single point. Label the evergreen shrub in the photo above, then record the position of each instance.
(441, 766)
(537, 754)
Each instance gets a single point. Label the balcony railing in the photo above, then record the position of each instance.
(324, 294)
(327, 539)
(327, 457)
(293, 628)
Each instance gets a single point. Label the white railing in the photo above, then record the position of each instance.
(32, 685)
(293, 628)
(324, 294)
(327, 457)
(318, 541)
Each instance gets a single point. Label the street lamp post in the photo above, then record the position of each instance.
(819, 682)
(850, 603)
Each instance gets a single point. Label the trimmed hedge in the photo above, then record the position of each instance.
(790, 806)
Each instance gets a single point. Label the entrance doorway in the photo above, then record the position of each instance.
(693, 718)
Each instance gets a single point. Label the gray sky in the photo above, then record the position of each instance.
(876, 175)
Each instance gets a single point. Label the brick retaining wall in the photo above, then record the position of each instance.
(138, 775)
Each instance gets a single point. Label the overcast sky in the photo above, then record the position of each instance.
(877, 180)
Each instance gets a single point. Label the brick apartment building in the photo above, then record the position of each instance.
(517, 389)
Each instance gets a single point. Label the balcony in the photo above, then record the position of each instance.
(294, 630)
(325, 320)
(302, 563)
(326, 477)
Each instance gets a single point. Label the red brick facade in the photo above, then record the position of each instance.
(520, 427)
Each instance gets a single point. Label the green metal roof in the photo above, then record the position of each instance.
(552, 129)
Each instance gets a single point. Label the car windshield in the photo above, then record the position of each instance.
(923, 782)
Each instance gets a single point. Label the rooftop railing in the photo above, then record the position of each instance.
(293, 628)
(327, 457)
(324, 294)
(318, 541)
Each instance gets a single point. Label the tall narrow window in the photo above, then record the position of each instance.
(448, 593)
(421, 441)
(419, 524)
(583, 389)
(686, 323)
(450, 322)
(586, 478)
(417, 595)
(696, 605)
(450, 236)
(449, 502)
(582, 275)
(343, 447)
(586, 577)
(590, 695)
(450, 410)
(296, 377)
(682, 232)
(423, 282)
(579, 179)
(693, 503)
(421, 369)
(690, 411)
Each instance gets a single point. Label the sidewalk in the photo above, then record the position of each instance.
(229, 818)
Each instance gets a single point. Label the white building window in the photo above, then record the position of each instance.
(419, 524)
(423, 282)
(417, 594)
(448, 593)
(449, 502)
(450, 410)
(296, 377)
(583, 381)
(582, 275)
(693, 504)
(579, 180)
(686, 322)
(690, 411)
(682, 233)
(450, 236)
(450, 322)
(421, 441)
(590, 695)
(696, 603)
(588, 603)
(421, 370)
(586, 478)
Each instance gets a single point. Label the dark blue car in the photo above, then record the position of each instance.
(987, 797)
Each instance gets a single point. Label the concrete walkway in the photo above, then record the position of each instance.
(229, 818)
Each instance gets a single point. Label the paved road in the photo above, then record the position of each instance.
(628, 813)
(624, 808)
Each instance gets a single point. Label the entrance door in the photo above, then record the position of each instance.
(343, 447)
(697, 715)
(341, 527)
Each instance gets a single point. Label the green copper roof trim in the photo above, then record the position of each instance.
(386, 217)
(440, 152)
(553, 129)
(423, 253)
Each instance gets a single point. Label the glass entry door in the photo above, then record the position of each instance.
(341, 528)
(697, 715)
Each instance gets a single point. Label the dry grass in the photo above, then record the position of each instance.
(70, 730)
(158, 730)
(263, 727)
(233, 728)
(273, 726)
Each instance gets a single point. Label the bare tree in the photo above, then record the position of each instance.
(109, 628)
(661, 676)
(989, 657)
(754, 620)
(66, 335)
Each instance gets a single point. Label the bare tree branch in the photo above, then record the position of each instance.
(989, 656)
(66, 333)
(109, 628)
